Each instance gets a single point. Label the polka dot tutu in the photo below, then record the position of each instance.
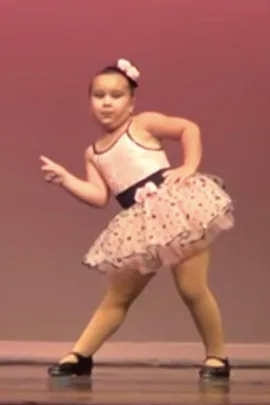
(165, 228)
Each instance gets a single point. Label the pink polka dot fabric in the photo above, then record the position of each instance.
(165, 228)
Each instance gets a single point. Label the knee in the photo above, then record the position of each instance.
(117, 301)
(192, 293)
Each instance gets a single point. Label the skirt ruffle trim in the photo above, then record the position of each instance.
(157, 256)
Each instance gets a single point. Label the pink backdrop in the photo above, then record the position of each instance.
(204, 60)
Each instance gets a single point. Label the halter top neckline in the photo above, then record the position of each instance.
(121, 134)
(125, 134)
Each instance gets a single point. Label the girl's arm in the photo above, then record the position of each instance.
(93, 190)
(176, 128)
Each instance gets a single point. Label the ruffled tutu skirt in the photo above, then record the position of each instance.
(164, 228)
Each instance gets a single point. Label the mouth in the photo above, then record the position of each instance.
(106, 113)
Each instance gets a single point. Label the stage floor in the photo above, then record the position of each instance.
(29, 385)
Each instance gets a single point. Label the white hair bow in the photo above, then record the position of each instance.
(128, 69)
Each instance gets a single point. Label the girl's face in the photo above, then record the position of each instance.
(112, 101)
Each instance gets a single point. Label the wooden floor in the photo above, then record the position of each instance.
(29, 385)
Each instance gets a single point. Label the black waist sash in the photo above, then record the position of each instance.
(127, 198)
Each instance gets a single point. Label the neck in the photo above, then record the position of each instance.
(111, 130)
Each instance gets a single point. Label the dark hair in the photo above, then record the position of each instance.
(114, 69)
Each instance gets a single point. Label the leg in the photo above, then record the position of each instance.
(109, 316)
(191, 282)
(123, 289)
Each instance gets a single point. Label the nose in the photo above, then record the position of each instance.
(107, 101)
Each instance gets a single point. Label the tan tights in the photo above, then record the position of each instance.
(191, 282)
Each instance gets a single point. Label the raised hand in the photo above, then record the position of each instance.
(53, 172)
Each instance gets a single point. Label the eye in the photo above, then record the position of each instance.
(98, 94)
(117, 94)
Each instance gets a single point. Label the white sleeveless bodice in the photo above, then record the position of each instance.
(126, 163)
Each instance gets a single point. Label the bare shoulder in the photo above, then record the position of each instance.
(146, 115)
(89, 157)
(140, 132)
(158, 123)
(89, 153)
(142, 119)
(92, 171)
(147, 119)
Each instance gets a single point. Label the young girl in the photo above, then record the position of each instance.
(169, 216)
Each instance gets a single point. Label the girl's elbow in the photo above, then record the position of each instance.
(103, 200)
(195, 127)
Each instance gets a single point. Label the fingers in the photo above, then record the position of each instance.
(48, 166)
(47, 169)
(52, 178)
(46, 160)
(171, 177)
(49, 177)
(176, 176)
(167, 173)
(171, 180)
